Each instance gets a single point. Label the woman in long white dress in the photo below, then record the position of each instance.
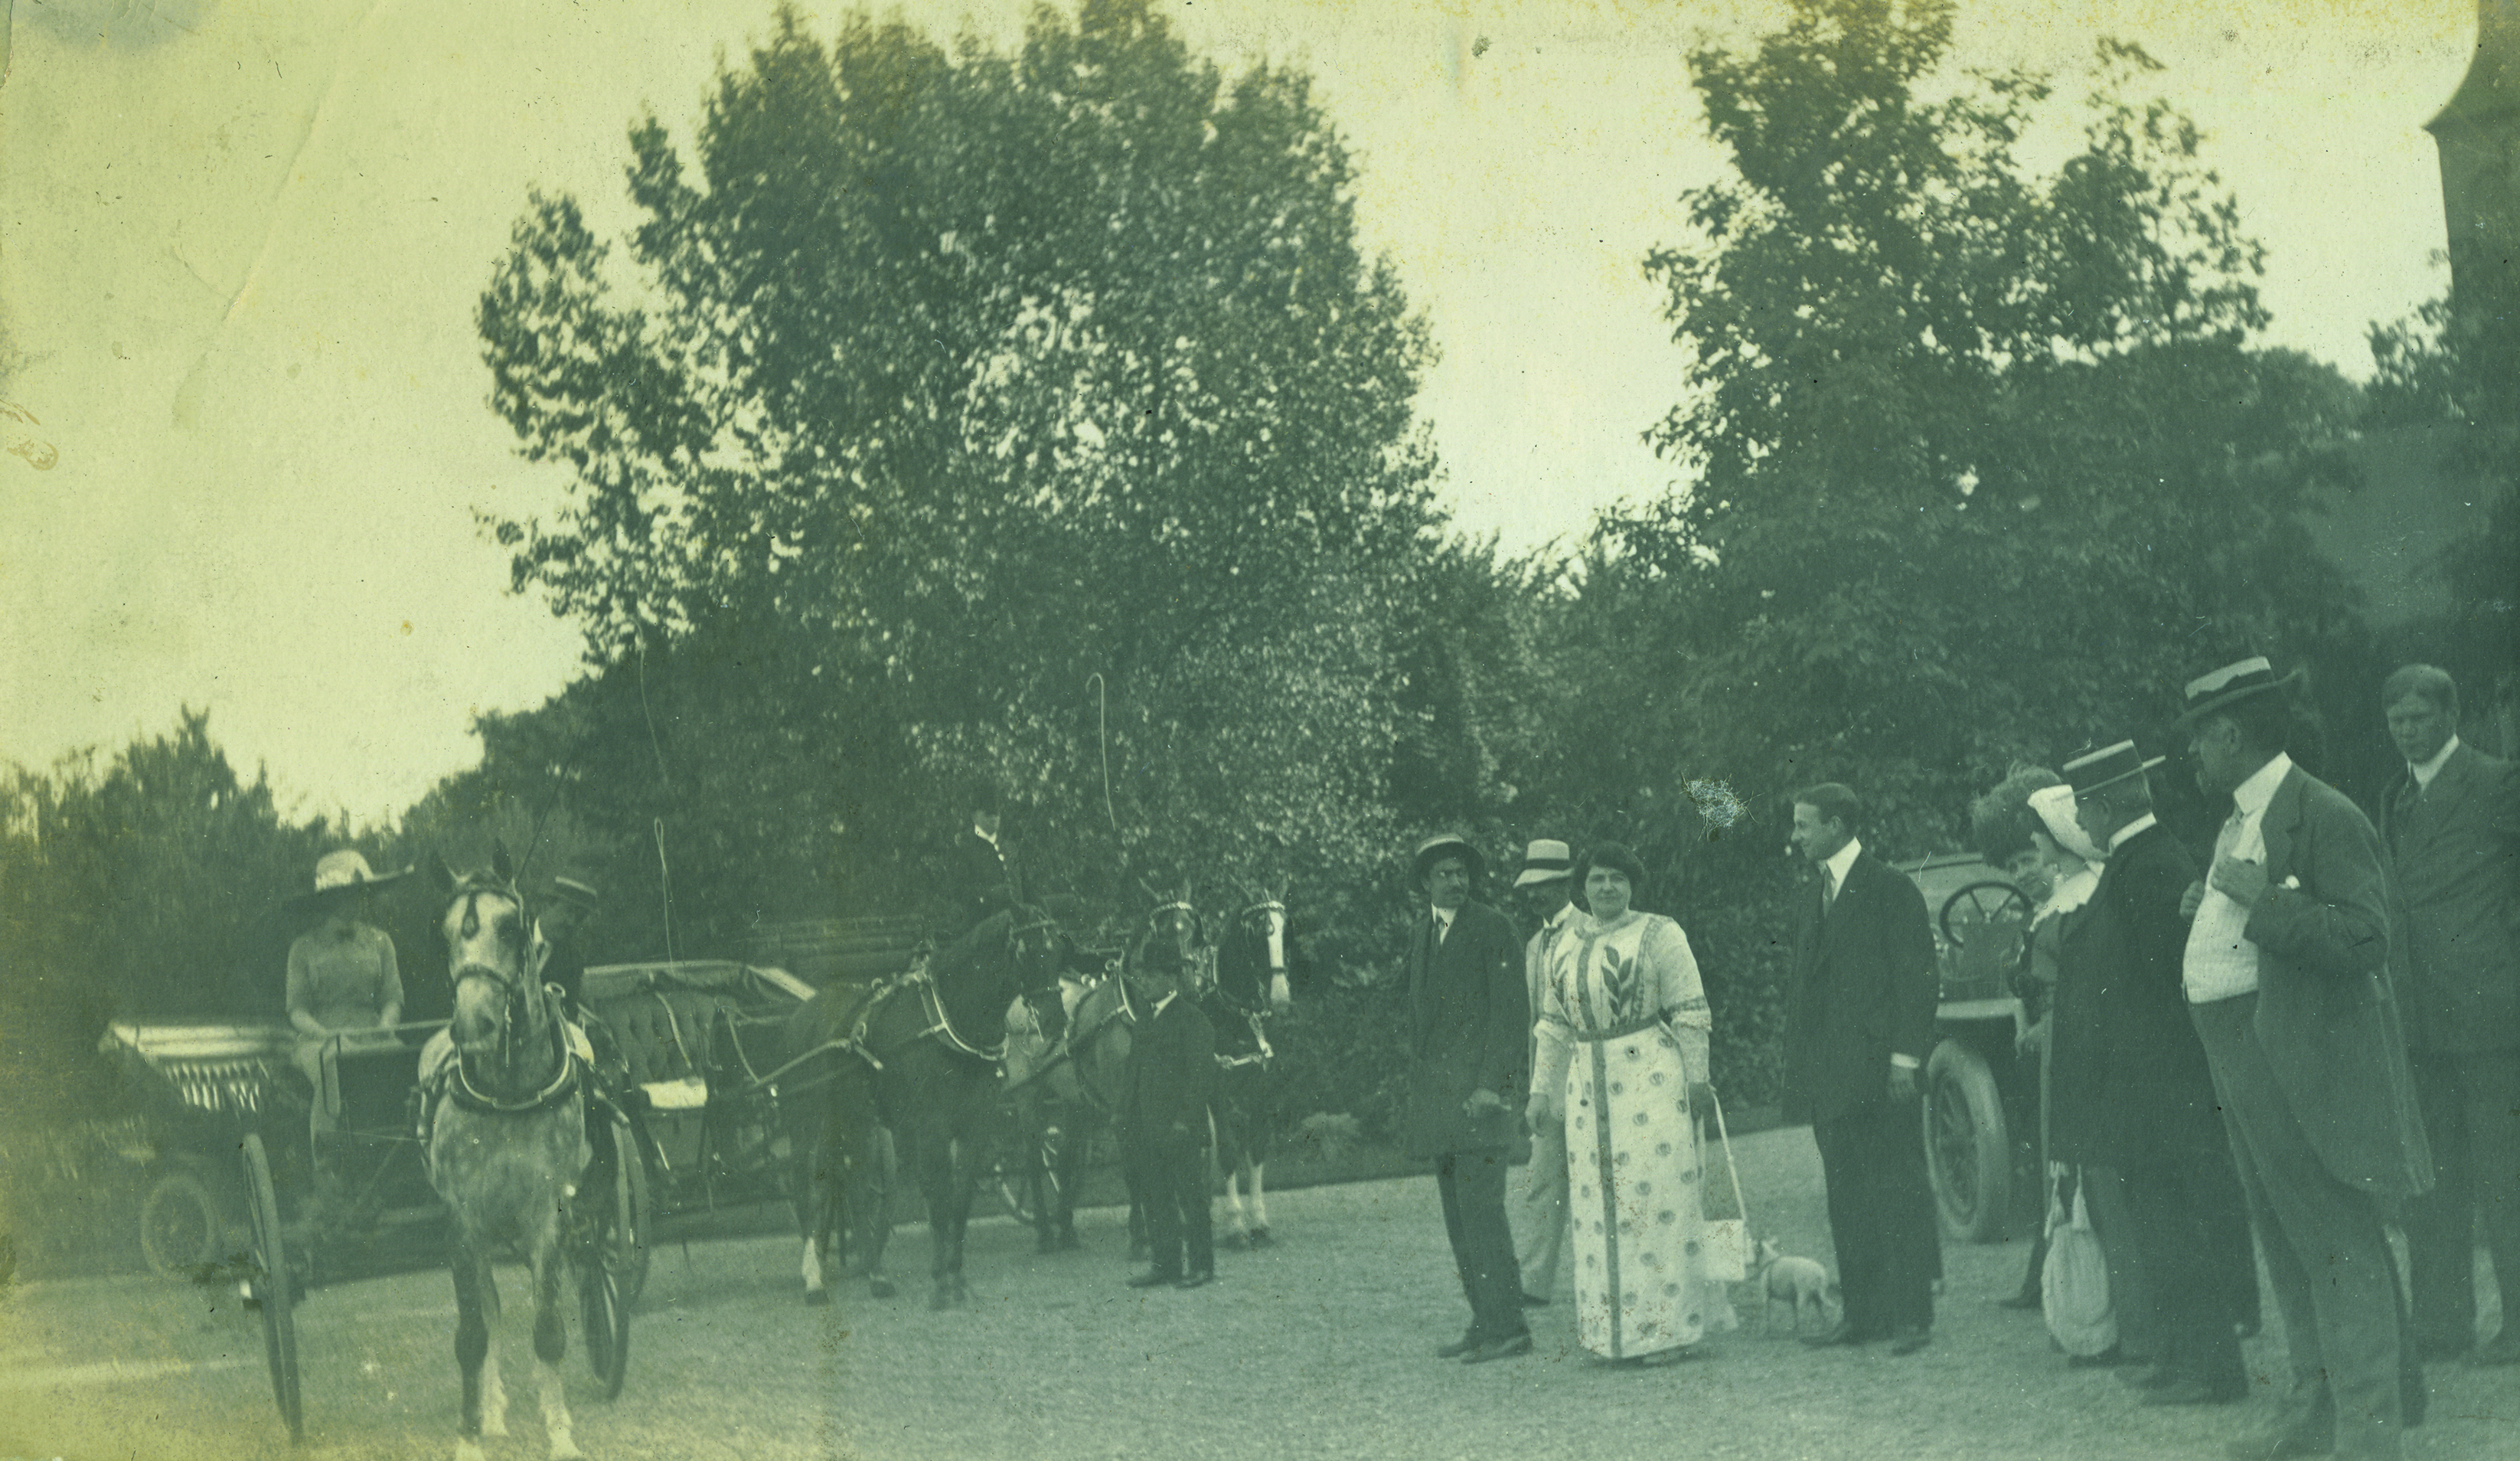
(1623, 1028)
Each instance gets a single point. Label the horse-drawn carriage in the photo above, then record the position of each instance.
(321, 1206)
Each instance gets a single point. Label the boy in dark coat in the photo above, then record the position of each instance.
(1163, 1131)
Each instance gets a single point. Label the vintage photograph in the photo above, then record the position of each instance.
(740, 729)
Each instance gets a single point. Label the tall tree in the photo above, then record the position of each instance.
(934, 382)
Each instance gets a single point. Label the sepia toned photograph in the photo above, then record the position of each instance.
(1778, 729)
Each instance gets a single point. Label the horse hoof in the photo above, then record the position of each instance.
(1260, 1238)
(1068, 1242)
(814, 1298)
(470, 1450)
(880, 1287)
(564, 1448)
(494, 1426)
(1234, 1241)
(941, 1299)
(1044, 1244)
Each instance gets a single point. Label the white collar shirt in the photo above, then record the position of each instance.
(1444, 922)
(2424, 772)
(988, 838)
(1160, 1003)
(2221, 963)
(1836, 866)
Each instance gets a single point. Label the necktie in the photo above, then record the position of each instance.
(1827, 889)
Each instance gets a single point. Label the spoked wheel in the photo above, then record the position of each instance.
(1011, 1175)
(608, 1328)
(269, 1286)
(612, 1258)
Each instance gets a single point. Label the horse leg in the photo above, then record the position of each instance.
(1070, 1167)
(472, 1344)
(1259, 1202)
(815, 1197)
(934, 1154)
(871, 1193)
(494, 1393)
(551, 1345)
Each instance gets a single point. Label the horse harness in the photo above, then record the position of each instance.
(934, 1021)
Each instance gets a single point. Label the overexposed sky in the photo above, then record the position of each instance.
(240, 246)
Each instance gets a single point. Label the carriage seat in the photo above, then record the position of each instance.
(664, 1036)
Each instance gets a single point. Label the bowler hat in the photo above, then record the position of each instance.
(1545, 862)
(2230, 685)
(2107, 766)
(1445, 844)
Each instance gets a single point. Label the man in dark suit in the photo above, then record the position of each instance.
(1162, 1121)
(982, 884)
(2287, 970)
(2155, 1119)
(2451, 828)
(1858, 1028)
(1470, 1024)
(562, 926)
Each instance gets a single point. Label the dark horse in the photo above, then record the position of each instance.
(1252, 990)
(1066, 1089)
(916, 1056)
(506, 1141)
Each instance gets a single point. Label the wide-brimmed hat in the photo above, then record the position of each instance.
(575, 891)
(2230, 685)
(344, 872)
(2056, 808)
(2107, 766)
(1545, 862)
(1439, 844)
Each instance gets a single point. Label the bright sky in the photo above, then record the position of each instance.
(240, 246)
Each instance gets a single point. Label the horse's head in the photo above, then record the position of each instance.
(1036, 947)
(491, 958)
(1171, 938)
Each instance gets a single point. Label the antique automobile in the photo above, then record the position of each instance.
(1981, 1107)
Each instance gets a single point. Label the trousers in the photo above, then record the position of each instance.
(1881, 1215)
(1471, 1185)
(2342, 1328)
(2471, 1105)
(1169, 1179)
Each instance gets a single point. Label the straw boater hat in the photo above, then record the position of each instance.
(1440, 845)
(338, 874)
(2093, 770)
(2230, 685)
(1545, 861)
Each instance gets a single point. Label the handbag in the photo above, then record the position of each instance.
(2074, 1286)
(1726, 1241)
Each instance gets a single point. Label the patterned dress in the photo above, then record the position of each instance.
(1623, 1028)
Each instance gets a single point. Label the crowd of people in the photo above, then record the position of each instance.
(2277, 1051)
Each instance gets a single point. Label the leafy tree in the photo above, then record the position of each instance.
(954, 416)
(1982, 459)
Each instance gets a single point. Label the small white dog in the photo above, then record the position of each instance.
(1800, 1282)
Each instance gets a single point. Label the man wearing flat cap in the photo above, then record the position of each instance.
(2286, 973)
(1470, 1033)
(561, 926)
(1545, 890)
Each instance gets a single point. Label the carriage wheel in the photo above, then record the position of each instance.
(625, 1238)
(1012, 1180)
(608, 1328)
(270, 1287)
(183, 1219)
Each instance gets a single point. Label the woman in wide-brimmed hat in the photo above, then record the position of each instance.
(1623, 1029)
(343, 974)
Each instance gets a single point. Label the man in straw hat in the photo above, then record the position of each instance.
(2285, 970)
(1469, 1035)
(2155, 1120)
(1544, 888)
(343, 974)
(562, 928)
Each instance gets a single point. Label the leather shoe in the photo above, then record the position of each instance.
(1534, 1300)
(1195, 1280)
(2108, 1359)
(2193, 1393)
(1910, 1340)
(2026, 1298)
(1469, 1342)
(2150, 1377)
(2313, 1436)
(1840, 1333)
(2504, 1350)
(1153, 1278)
(1503, 1349)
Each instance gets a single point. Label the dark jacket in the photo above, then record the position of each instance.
(2455, 852)
(982, 884)
(564, 965)
(1170, 1079)
(2129, 1074)
(1863, 989)
(1470, 1028)
(2327, 1010)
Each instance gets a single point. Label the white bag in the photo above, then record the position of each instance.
(2074, 1286)
(1726, 1241)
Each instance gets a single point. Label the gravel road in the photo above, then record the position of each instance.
(1317, 1347)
